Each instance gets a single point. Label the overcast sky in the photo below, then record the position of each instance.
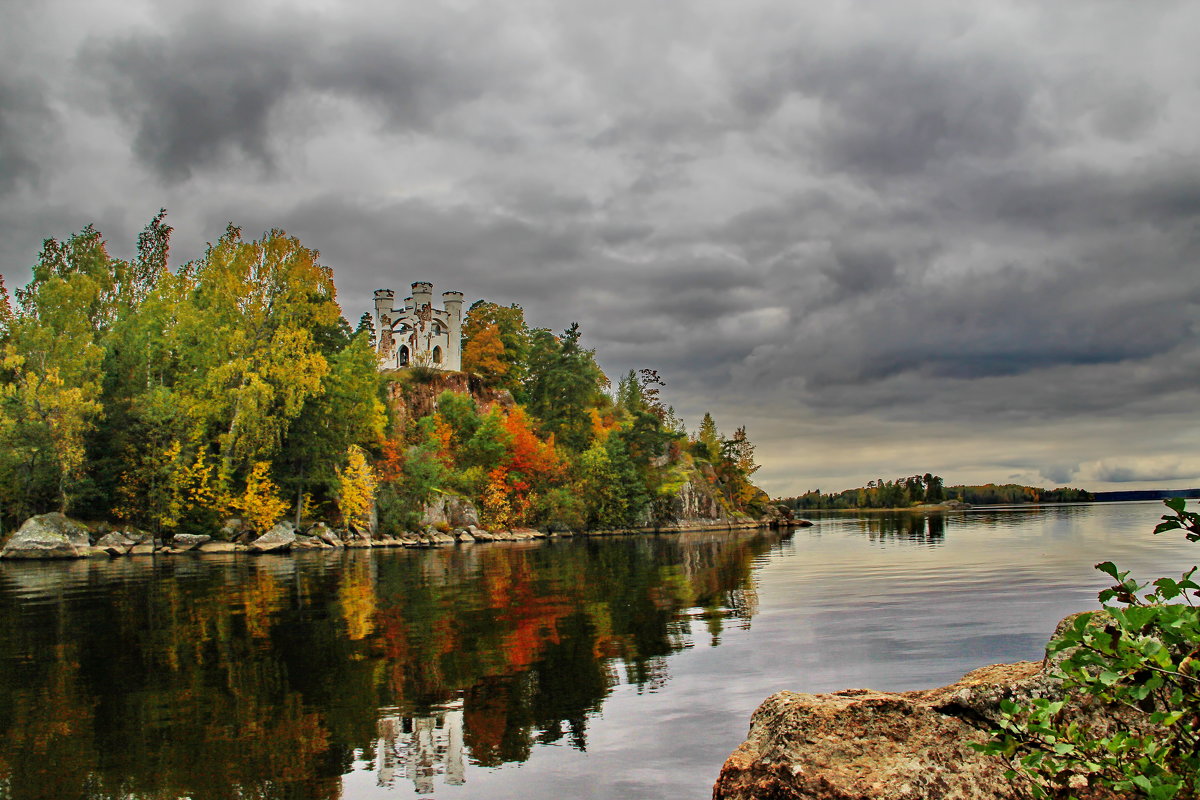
(888, 237)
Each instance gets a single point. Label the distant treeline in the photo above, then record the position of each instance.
(930, 488)
(1012, 493)
(1146, 494)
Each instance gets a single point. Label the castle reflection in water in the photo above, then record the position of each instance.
(419, 749)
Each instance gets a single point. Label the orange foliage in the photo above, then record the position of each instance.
(529, 455)
(391, 463)
(442, 432)
(529, 463)
(483, 354)
(602, 426)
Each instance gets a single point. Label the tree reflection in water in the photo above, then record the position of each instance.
(271, 677)
(927, 528)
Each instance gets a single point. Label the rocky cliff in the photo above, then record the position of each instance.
(413, 393)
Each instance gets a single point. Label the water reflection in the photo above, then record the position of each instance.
(922, 528)
(418, 749)
(272, 677)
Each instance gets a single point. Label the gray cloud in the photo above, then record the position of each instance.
(25, 120)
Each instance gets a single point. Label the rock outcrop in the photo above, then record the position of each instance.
(859, 743)
(49, 536)
(450, 511)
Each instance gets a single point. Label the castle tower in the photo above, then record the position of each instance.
(422, 294)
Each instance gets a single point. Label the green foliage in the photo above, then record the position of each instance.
(502, 352)
(1136, 664)
(563, 382)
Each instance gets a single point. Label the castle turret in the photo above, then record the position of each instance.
(452, 302)
(384, 298)
(422, 294)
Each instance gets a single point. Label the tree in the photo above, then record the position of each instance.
(259, 503)
(510, 329)
(563, 384)
(356, 488)
(366, 324)
(253, 361)
(708, 441)
(935, 491)
(51, 369)
(344, 414)
(484, 355)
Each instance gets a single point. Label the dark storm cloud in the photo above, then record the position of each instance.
(208, 89)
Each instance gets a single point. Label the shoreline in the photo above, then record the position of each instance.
(77, 543)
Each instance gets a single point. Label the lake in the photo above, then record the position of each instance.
(604, 667)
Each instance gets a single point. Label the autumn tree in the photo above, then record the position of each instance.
(513, 335)
(259, 502)
(484, 353)
(356, 488)
(51, 370)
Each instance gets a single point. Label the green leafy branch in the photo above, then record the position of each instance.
(1128, 720)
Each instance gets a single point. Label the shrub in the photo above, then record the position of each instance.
(1139, 660)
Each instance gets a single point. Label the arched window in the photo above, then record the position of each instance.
(437, 355)
(402, 356)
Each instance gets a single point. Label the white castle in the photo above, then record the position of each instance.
(418, 333)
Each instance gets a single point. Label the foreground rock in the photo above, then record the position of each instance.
(49, 536)
(276, 540)
(859, 744)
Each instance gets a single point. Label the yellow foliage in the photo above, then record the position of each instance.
(484, 352)
(601, 427)
(497, 508)
(356, 487)
(357, 597)
(259, 504)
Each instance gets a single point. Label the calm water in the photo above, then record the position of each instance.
(599, 668)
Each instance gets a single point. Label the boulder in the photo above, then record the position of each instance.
(278, 539)
(304, 542)
(860, 743)
(189, 541)
(463, 535)
(325, 534)
(524, 534)
(117, 543)
(48, 536)
(220, 547)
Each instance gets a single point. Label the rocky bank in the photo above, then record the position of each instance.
(860, 744)
(447, 521)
